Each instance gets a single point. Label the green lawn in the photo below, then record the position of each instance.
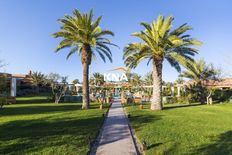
(198, 129)
(48, 128)
(33, 99)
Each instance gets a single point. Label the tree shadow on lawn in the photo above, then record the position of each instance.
(138, 121)
(40, 109)
(31, 136)
(221, 145)
(34, 101)
(146, 106)
(182, 106)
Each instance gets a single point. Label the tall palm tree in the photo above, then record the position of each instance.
(159, 43)
(83, 35)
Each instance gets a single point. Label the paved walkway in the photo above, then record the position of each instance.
(116, 138)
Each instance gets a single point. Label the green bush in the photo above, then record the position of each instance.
(222, 95)
(193, 93)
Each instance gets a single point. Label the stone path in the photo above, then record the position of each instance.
(116, 138)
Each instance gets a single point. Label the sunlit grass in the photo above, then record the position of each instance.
(48, 128)
(197, 129)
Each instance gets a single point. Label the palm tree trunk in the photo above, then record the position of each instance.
(85, 104)
(86, 60)
(156, 103)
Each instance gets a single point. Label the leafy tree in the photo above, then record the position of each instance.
(159, 43)
(202, 73)
(83, 35)
(167, 91)
(58, 85)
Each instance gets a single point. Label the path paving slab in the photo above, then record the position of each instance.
(116, 138)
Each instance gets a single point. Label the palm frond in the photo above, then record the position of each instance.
(81, 29)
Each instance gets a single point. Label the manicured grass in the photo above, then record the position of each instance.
(33, 99)
(48, 128)
(197, 129)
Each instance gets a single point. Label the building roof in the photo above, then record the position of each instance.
(20, 76)
(221, 83)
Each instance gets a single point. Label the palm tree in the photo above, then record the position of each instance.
(84, 36)
(37, 79)
(179, 80)
(148, 81)
(135, 80)
(97, 79)
(200, 72)
(75, 81)
(159, 43)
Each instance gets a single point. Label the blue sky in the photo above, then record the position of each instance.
(26, 27)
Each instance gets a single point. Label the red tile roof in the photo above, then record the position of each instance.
(221, 83)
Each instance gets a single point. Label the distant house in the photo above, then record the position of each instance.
(14, 80)
(221, 83)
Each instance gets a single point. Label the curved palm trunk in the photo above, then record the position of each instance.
(156, 103)
(86, 60)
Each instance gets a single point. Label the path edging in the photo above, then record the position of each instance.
(137, 143)
(93, 148)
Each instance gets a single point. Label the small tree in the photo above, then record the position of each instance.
(58, 85)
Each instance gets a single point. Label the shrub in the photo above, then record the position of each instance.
(222, 95)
